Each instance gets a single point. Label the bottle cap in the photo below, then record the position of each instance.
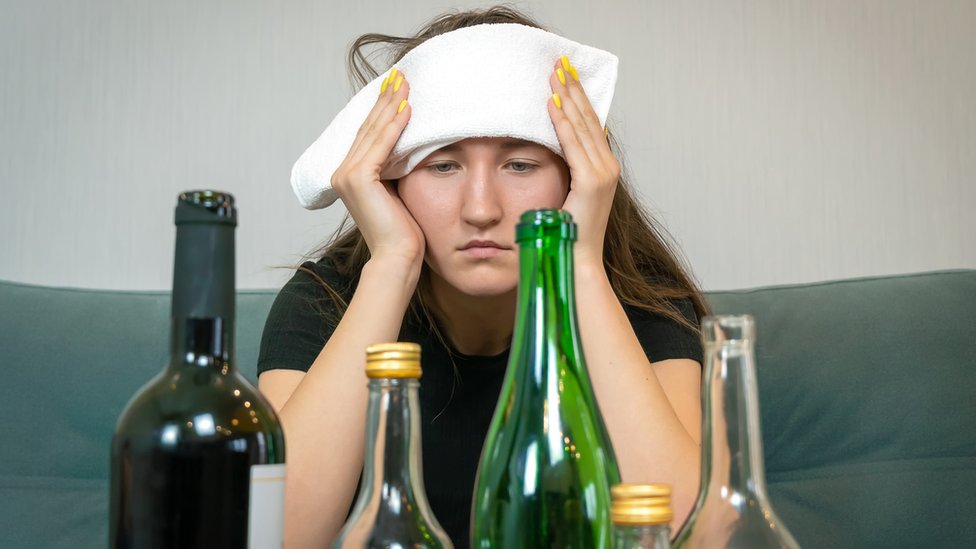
(635, 504)
(206, 207)
(393, 360)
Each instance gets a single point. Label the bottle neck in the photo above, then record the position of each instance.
(393, 463)
(546, 316)
(642, 536)
(202, 330)
(732, 453)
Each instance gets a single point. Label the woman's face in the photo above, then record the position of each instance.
(467, 198)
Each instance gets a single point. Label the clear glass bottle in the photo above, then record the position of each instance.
(392, 508)
(547, 465)
(198, 455)
(732, 509)
(641, 516)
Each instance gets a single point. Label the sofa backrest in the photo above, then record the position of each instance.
(867, 391)
(867, 394)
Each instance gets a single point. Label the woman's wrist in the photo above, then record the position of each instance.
(589, 268)
(393, 270)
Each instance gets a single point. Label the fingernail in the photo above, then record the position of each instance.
(572, 71)
(565, 61)
(386, 82)
(562, 76)
(403, 105)
(393, 74)
(396, 87)
(557, 101)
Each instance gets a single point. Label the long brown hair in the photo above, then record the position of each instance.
(644, 268)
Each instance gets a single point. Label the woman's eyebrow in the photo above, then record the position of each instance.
(517, 144)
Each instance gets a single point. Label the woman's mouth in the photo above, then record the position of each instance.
(483, 249)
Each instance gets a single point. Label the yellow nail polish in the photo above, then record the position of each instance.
(393, 74)
(403, 105)
(562, 76)
(557, 101)
(572, 71)
(396, 87)
(386, 82)
(565, 62)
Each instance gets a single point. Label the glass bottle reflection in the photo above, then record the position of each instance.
(733, 508)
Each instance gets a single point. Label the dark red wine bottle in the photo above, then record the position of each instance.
(198, 455)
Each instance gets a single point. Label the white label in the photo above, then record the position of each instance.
(266, 507)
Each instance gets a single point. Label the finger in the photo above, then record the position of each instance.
(390, 113)
(382, 100)
(577, 107)
(576, 155)
(570, 111)
(377, 147)
(574, 89)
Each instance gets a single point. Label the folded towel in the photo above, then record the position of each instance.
(481, 81)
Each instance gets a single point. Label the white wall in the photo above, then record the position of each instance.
(779, 141)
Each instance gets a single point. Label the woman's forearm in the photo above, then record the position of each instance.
(325, 417)
(651, 442)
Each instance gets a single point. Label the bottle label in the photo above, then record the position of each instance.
(267, 506)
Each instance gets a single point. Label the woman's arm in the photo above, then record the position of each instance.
(651, 410)
(324, 411)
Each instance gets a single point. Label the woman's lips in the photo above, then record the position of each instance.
(482, 249)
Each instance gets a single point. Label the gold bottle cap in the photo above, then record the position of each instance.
(636, 504)
(393, 360)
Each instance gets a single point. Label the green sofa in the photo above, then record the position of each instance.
(867, 393)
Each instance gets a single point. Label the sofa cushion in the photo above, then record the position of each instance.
(867, 391)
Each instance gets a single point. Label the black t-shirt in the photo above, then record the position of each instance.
(457, 398)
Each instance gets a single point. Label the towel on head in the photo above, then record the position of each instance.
(487, 80)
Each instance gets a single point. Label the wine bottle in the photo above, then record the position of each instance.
(392, 508)
(198, 454)
(641, 516)
(547, 465)
(732, 509)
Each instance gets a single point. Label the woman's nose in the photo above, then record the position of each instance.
(481, 206)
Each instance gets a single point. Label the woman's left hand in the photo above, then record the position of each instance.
(593, 168)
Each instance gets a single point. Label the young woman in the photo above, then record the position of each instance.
(432, 259)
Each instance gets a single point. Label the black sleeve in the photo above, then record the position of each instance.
(301, 320)
(663, 338)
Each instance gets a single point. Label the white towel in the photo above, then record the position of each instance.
(480, 81)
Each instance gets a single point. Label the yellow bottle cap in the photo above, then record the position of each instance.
(635, 504)
(393, 360)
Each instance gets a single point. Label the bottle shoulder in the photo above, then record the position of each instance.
(200, 401)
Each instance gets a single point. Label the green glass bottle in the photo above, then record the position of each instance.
(198, 455)
(547, 465)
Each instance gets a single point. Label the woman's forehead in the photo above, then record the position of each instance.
(490, 143)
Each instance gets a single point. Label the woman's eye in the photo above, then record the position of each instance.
(520, 167)
(441, 167)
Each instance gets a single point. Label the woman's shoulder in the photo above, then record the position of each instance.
(312, 277)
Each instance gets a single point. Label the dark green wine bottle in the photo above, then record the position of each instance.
(547, 465)
(198, 454)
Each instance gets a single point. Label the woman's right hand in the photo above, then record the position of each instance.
(386, 225)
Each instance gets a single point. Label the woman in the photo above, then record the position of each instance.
(432, 259)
